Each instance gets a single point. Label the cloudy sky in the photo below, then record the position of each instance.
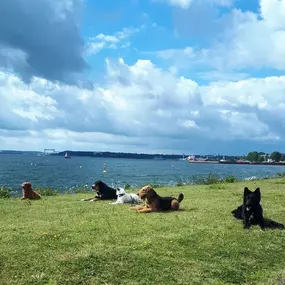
(155, 76)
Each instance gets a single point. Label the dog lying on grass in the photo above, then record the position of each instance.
(126, 198)
(156, 203)
(251, 211)
(103, 192)
(28, 192)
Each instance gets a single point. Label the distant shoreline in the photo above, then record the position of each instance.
(211, 159)
(239, 163)
(108, 154)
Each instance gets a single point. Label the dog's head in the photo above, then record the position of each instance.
(97, 186)
(27, 186)
(120, 191)
(251, 198)
(147, 192)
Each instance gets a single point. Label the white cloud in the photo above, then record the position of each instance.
(140, 108)
(20, 106)
(97, 43)
(273, 13)
(181, 3)
(252, 42)
(248, 41)
(185, 4)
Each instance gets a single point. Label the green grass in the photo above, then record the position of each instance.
(62, 240)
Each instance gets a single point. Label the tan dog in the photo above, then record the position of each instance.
(28, 192)
(156, 203)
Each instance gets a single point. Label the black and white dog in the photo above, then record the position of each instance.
(103, 192)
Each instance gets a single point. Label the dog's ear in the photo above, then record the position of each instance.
(258, 194)
(151, 193)
(246, 191)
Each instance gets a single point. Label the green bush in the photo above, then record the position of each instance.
(212, 178)
(5, 192)
(127, 186)
(47, 191)
(230, 179)
(82, 189)
(179, 183)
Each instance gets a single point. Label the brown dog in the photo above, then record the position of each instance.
(28, 192)
(156, 203)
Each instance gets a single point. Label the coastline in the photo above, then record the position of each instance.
(235, 163)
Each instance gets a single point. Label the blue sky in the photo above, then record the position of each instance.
(156, 76)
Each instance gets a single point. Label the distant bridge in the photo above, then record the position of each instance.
(49, 150)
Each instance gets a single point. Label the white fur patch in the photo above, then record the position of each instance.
(126, 198)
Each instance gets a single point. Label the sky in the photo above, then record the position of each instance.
(145, 76)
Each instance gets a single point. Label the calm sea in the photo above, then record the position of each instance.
(61, 173)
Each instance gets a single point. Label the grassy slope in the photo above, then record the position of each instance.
(62, 240)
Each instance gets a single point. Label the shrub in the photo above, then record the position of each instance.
(230, 179)
(179, 182)
(82, 189)
(47, 191)
(212, 178)
(5, 192)
(198, 179)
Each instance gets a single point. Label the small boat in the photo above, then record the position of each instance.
(67, 156)
(105, 169)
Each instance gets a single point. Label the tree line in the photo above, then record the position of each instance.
(255, 156)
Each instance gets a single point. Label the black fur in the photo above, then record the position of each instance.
(164, 203)
(251, 211)
(103, 191)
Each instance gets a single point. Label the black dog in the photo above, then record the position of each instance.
(251, 211)
(103, 192)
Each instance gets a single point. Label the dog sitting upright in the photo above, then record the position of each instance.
(103, 192)
(156, 203)
(250, 211)
(28, 192)
(126, 198)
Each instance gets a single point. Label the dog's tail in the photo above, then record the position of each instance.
(273, 225)
(180, 197)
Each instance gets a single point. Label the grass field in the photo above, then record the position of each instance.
(62, 240)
